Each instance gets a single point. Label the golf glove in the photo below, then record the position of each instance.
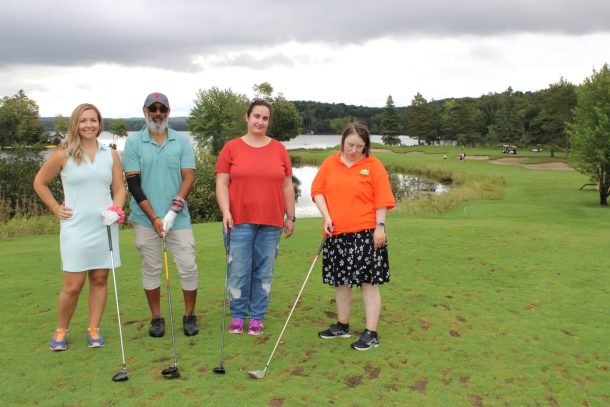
(168, 221)
(177, 204)
(113, 214)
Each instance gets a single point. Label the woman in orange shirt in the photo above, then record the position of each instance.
(352, 191)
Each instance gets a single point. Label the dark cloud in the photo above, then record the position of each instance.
(171, 34)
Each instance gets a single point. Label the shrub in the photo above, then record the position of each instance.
(18, 167)
(202, 200)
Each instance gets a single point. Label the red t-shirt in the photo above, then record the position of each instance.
(353, 194)
(256, 188)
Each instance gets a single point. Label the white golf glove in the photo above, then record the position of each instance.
(110, 217)
(168, 221)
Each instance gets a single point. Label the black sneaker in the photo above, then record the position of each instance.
(336, 331)
(189, 323)
(367, 340)
(157, 327)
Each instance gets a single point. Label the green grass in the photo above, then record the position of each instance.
(496, 301)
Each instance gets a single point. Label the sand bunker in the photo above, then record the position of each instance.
(558, 166)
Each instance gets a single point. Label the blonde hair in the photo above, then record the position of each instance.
(72, 143)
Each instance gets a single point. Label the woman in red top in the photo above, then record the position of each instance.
(256, 196)
(352, 191)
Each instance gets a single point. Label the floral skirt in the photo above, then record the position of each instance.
(351, 259)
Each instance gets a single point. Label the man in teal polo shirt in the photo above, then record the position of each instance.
(159, 165)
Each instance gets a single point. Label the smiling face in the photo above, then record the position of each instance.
(258, 120)
(89, 124)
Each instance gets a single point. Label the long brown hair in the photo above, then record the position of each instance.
(72, 143)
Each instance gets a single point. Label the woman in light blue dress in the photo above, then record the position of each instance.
(89, 172)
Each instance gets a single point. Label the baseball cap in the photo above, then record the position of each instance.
(156, 97)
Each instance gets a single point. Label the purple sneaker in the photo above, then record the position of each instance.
(256, 327)
(237, 326)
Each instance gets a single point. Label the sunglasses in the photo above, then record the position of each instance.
(162, 109)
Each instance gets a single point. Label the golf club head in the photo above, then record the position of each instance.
(122, 376)
(219, 370)
(257, 374)
(171, 372)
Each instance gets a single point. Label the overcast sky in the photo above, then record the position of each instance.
(113, 53)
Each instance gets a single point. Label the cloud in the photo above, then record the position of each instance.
(246, 60)
(176, 35)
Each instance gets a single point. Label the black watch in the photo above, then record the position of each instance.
(292, 218)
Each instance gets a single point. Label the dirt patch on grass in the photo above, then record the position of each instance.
(557, 166)
(477, 157)
(476, 400)
(371, 372)
(298, 371)
(354, 381)
(423, 324)
(330, 314)
(261, 340)
(420, 385)
(276, 402)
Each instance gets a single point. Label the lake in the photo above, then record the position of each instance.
(301, 141)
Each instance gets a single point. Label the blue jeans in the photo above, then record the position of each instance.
(251, 264)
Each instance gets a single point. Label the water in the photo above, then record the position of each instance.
(319, 141)
(403, 186)
(303, 141)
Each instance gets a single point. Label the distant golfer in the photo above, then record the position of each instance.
(352, 191)
(89, 171)
(159, 165)
(256, 196)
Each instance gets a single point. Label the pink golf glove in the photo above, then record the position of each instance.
(113, 214)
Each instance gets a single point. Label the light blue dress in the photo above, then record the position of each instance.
(83, 238)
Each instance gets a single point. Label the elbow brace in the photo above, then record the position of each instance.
(135, 187)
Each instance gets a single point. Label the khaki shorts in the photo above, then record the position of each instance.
(180, 243)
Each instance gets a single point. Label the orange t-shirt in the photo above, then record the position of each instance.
(256, 188)
(353, 194)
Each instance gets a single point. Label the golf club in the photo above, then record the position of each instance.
(259, 374)
(221, 369)
(171, 372)
(122, 376)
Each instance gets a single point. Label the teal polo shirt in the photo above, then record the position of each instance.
(160, 167)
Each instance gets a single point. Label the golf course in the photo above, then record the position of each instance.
(499, 296)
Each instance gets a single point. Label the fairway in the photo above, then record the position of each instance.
(492, 302)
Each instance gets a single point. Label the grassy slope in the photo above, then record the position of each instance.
(493, 302)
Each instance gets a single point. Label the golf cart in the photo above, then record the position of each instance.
(509, 149)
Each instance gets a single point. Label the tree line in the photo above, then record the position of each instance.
(562, 116)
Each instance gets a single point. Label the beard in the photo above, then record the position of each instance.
(156, 126)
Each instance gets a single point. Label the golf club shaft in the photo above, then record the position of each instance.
(116, 296)
(169, 299)
(224, 303)
(296, 302)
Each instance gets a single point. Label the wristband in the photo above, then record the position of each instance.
(382, 224)
(292, 218)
